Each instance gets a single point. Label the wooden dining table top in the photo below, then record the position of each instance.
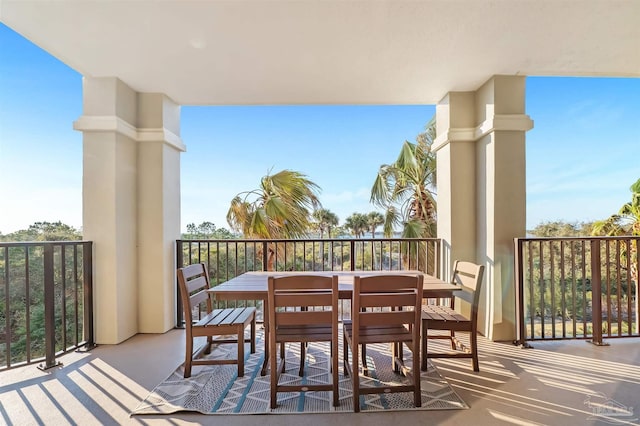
(253, 285)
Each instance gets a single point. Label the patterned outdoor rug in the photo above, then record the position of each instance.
(217, 389)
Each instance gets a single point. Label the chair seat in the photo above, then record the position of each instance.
(442, 313)
(304, 333)
(222, 317)
(379, 333)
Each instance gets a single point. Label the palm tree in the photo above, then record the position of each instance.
(280, 208)
(357, 223)
(374, 219)
(625, 222)
(406, 188)
(325, 220)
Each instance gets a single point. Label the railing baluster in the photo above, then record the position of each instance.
(520, 327)
(49, 311)
(552, 287)
(542, 290)
(618, 288)
(87, 269)
(584, 288)
(573, 289)
(63, 276)
(76, 304)
(596, 289)
(27, 292)
(563, 307)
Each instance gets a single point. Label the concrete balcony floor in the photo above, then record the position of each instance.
(545, 385)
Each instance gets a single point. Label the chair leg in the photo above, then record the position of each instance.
(303, 356)
(187, 358)
(417, 392)
(394, 357)
(241, 351)
(474, 351)
(453, 340)
(253, 335)
(355, 379)
(345, 355)
(282, 352)
(334, 376)
(424, 338)
(207, 349)
(273, 365)
(365, 368)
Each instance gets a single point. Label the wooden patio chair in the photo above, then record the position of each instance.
(302, 309)
(385, 309)
(434, 317)
(193, 281)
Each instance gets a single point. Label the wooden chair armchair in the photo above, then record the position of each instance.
(434, 317)
(302, 309)
(385, 309)
(193, 281)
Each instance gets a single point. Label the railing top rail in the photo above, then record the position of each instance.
(39, 243)
(306, 240)
(589, 238)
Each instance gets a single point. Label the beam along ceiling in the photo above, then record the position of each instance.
(328, 51)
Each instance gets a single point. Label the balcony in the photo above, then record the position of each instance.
(553, 383)
(545, 385)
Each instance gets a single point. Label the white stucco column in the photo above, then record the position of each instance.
(480, 148)
(131, 206)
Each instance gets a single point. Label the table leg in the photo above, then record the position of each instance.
(265, 322)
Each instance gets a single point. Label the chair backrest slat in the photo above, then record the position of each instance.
(386, 318)
(290, 299)
(303, 282)
(196, 284)
(198, 298)
(304, 317)
(312, 298)
(386, 283)
(372, 300)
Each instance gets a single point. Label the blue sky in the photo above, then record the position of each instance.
(582, 154)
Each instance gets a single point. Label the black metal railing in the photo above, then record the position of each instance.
(46, 301)
(226, 259)
(573, 288)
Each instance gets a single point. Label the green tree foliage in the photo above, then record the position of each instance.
(374, 219)
(626, 221)
(44, 231)
(325, 221)
(560, 228)
(207, 231)
(406, 188)
(357, 223)
(280, 207)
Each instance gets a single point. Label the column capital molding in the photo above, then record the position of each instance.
(110, 123)
(498, 122)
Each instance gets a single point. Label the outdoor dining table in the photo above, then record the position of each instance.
(253, 286)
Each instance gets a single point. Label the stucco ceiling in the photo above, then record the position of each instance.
(327, 51)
